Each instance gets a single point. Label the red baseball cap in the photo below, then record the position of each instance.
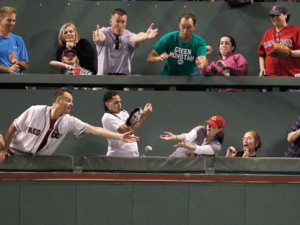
(216, 122)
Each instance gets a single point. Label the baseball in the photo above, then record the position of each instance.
(148, 148)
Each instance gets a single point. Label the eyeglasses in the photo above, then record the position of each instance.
(117, 45)
(247, 139)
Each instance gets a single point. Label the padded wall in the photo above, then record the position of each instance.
(38, 22)
(119, 203)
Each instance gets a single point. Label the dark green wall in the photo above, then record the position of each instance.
(271, 114)
(38, 22)
(105, 203)
(120, 203)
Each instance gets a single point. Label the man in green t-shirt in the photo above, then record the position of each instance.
(183, 51)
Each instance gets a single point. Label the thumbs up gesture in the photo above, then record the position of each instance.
(98, 36)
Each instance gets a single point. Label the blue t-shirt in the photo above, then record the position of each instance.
(15, 44)
(183, 59)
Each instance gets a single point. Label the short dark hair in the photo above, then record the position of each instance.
(60, 92)
(188, 16)
(118, 11)
(107, 97)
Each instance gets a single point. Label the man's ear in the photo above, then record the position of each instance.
(58, 101)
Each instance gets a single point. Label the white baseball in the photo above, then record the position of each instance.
(148, 148)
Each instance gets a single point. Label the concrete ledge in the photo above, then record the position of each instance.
(147, 81)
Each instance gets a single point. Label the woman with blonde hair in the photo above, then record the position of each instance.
(69, 38)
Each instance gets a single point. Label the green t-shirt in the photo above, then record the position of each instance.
(183, 59)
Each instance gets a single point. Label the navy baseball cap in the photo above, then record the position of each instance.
(277, 10)
(65, 51)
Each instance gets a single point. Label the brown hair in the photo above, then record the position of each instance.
(257, 139)
(61, 35)
(7, 10)
(59, 93)
(119, 12)
(220, 136)
(188, 16)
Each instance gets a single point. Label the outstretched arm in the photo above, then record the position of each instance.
(59, 65)
(100, 131)
(143, 36)
(197, 149)
(155, 57)
(98, 36)
(170, 136)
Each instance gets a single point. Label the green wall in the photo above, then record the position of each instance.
(120, 203)
(38, 22)
(271, 114)
(105, 203)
